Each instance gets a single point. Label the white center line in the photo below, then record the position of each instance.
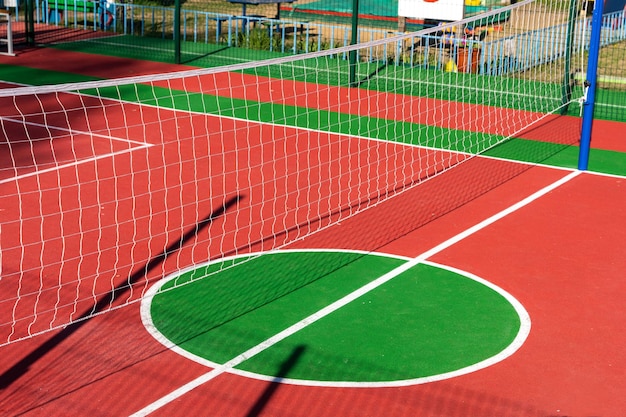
(347, 299)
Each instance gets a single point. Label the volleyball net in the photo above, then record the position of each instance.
(108, 186)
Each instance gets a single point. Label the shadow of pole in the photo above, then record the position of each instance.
(21, 367)
(206, 55)
(371, 75)
(287, 365)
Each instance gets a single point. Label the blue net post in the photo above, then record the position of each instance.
(590, 85)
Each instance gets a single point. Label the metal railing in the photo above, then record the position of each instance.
(497, 56)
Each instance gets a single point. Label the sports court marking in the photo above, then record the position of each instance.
(229, 365)
(135, 145)
(73, 131)
(463, 292)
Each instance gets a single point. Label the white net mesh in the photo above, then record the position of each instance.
(109, 185)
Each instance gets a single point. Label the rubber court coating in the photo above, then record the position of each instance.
(570, 366)
(425, 322)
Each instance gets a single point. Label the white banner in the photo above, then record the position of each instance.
(432, 9)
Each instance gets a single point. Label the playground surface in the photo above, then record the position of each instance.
(493, 289)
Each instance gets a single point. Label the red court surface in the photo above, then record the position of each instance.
(32, 151)
(560, 255)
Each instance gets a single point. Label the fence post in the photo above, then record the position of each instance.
(567, 77)
(177, 39)
(29, 21)
(590, 85)
(353, 41)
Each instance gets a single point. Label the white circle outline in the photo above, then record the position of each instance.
(518, 341)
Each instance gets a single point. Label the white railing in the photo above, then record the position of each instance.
(497, 56)
(209, 27)
(6, 34)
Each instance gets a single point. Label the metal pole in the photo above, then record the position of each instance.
(29, 21)
(177, 31)
(590, 85)
(353, 41)
(567, 78)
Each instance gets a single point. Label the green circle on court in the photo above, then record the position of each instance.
(426, 323)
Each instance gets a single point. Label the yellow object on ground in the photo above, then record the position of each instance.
(450, 66)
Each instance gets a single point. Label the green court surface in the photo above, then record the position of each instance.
(436, 83)
(518, 149)
(367, 7)
(532, 151)
(162, 50)
(212, 55)
(424, 323)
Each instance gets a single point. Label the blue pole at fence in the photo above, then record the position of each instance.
(590, 85)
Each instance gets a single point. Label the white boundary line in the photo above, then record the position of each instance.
(71, 164)
(78, 132)
(179, 392)
(140, 145)
(519, 339)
